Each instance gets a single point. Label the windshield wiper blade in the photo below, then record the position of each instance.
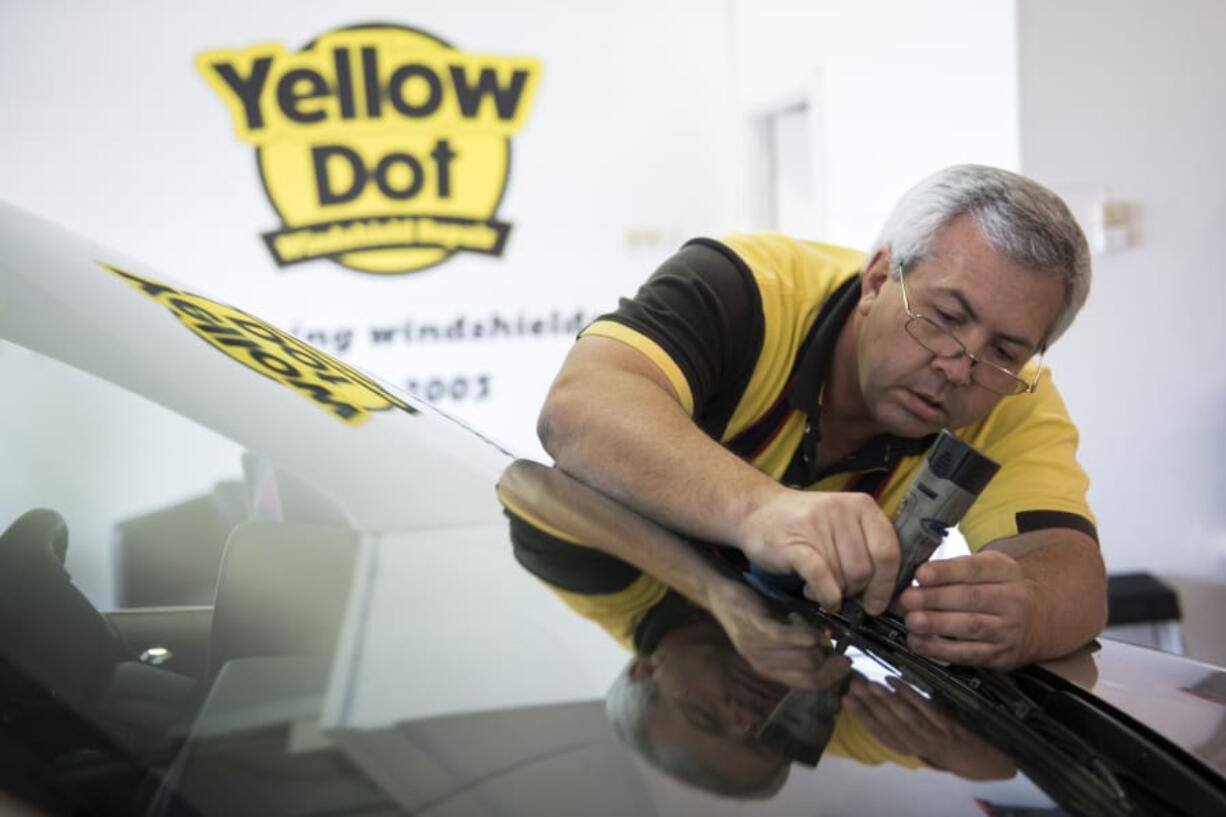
(992, 706)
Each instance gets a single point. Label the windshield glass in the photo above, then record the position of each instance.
(188, 628)
(692, 708)
(153, 571)
(136, 484)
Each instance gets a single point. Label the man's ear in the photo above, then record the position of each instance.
(874, 278)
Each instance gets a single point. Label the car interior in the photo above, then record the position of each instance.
(215, 639)
(125, 708)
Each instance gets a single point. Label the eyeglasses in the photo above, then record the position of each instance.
(941, 342)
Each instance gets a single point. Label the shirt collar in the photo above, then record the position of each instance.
(804, 395)
(806, 388)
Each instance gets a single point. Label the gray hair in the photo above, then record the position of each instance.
(630, 706)
(1020, 218)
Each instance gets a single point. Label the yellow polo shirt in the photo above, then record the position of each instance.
(743, 328)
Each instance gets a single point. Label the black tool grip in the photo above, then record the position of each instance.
(958, 461)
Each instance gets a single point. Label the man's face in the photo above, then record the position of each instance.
(996, 308)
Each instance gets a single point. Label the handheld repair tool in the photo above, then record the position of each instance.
(949, 481)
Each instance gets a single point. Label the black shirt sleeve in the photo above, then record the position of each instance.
(703, 308)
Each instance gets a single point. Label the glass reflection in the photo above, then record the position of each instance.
(689, 702)
(1212, 688)
(692, 707)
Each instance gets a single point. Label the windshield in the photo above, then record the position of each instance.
(693, 708)
(152, 569)
(692, 703)
(187, 627)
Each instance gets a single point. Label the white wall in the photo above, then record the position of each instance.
(1129, 99)
(111, 130)
(898, 89)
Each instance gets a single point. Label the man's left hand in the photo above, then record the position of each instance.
(971, 610)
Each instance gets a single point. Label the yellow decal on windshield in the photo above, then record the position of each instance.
(340, 390)
(381, 147)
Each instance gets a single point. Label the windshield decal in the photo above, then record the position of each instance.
(338, 389)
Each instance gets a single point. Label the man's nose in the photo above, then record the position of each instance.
(956, 370)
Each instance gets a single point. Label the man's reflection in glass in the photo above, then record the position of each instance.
(693, 706)
(908, 723)
(689, 703)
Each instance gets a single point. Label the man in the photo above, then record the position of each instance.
(776, 395)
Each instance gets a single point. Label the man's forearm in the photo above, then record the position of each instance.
(624, 433)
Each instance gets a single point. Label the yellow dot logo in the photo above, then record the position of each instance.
(382, 148)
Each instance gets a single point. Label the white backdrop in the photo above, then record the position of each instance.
(112, 131)
(1135, 111)
(637, 138)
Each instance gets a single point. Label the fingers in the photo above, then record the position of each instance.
(903, 720)
(797, 672)
(866, 548)
(798, 680)
(970, 610)
(985, 567)
(892, 719)
(968, 653)
(821, 572)
(972, 639)
(790, 653)
(881, 542)
(827, 675)
(969, 587)
(843, 546)
(989, 599)
(962, 626)
(785, 635)
(932, 720)
(832, 670)
(814, 668)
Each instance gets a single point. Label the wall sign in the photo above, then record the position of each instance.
(382, 148)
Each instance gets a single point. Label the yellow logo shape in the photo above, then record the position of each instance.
(381, 147)
(340, 390)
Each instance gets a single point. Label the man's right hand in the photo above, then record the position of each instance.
(839, 543)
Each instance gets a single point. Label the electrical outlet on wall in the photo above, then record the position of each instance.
(1110, 224)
